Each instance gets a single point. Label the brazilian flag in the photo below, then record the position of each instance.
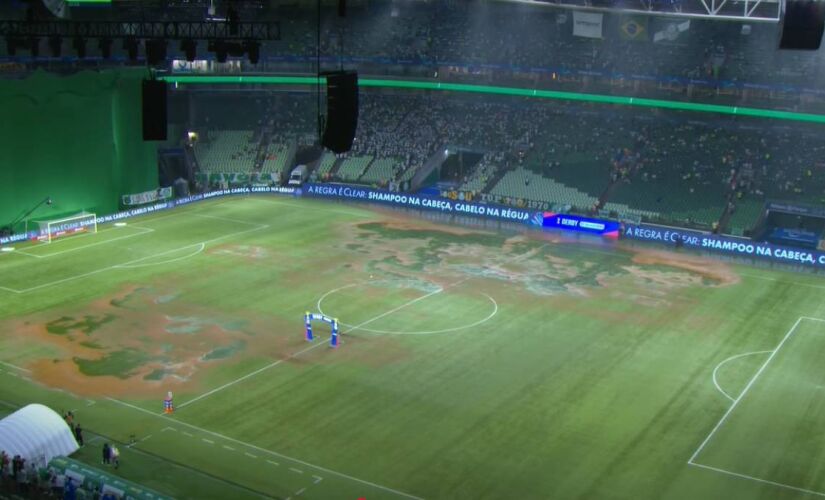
(633, 28)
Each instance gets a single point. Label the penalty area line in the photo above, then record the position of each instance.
(143, 231)
(269, 452)
(692, 460)
(742, 394)
(131, 263)
(757, 479)
(723, 363)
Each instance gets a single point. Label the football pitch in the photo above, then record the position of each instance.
(472, 364)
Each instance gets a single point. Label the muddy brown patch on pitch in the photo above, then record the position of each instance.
(140, 340)
(712, 270)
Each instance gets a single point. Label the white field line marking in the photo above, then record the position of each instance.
(252, 374)
(64, 391)
(135, 261)
(89, 402)
(268, 452)
(716, 383)
(227, 219)
(144, 230)
(168, 429)
(744, 391)
(759, 480)
(418, 332)
(23, 252)
(78, 236)
(768, 278)
(103, 269)
(273, 463)
(250, 455)
(200, 249)
(227, 447)
(15, 367)
(144, 438)
(187, 434)
(317, 479)
(319, 344)
(8, 405)
(297, 493)
(745, 476)
(207, 441)
(177, 212)
(296, 471)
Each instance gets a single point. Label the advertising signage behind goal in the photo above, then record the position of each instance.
(51, 229)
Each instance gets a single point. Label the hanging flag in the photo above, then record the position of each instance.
(587, 24)
(671, 31)
(633, 28)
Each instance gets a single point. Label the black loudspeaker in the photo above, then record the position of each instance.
(154, 110)
(802, 24)
(342, 111)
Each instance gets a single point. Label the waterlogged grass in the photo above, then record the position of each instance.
(87, 325)
(121, 364)
(225, 351)
(573, 387)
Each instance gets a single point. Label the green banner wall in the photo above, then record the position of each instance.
(76, 139)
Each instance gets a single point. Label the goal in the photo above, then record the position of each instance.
(83, 222)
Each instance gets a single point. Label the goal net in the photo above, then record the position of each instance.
(84, 222)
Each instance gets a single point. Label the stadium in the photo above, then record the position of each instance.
(431, 249)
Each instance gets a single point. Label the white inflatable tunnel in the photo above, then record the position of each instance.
(36, 433)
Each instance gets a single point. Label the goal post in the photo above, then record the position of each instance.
(83, 222)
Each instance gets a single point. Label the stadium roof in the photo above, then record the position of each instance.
(727, 10)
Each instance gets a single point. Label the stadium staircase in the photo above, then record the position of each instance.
(605, 196)
(352, 168)
(380, 171)
(327, 165)
(433, 162)
(336, 165)
(724, 219)
(260, 157)
(494, 180)
(278, 159)
(191, 160)
(745, 217)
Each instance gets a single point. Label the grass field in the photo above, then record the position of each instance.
(473, 364)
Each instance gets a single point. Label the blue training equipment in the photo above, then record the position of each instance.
(309, 317)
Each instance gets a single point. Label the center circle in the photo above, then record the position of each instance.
(493, 312)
